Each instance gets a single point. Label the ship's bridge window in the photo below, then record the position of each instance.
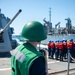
(1, 39)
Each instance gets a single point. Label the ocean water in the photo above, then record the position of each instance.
(59, 37)
(51, 37)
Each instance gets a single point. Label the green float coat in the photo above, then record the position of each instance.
(23, 57)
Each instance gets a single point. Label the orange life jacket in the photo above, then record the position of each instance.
(69, 45)
(74, 45)
(49, 45)
(56, 45)
(52, 45)
(65, 45)
(61, 46)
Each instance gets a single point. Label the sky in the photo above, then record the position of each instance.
(37, 10)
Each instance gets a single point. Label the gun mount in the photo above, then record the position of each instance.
(6, 41)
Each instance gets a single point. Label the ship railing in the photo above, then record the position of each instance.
(69, 60)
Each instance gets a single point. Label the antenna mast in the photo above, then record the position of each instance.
(50, 14)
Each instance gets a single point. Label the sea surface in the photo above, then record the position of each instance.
(51, 37)
(59, 37)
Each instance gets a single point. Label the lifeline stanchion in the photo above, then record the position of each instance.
(68, 61)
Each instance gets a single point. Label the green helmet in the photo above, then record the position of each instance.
(34, 31)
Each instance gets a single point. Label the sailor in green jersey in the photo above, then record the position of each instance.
(26, 59)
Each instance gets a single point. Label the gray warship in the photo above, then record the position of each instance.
(6, 32)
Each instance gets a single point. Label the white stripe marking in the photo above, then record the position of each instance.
(53, 62)
(5, 69)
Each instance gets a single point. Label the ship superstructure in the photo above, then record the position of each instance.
(6, 41)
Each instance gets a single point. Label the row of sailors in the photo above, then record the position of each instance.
(60, 49)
